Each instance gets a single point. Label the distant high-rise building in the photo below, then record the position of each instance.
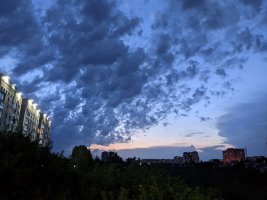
(191, 157)
(10, 104)
(44, 127)
(231, 154)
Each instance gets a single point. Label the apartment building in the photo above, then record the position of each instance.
(44, 127)
(233, 155)
(29, 119)
(10, 104)
(191, 157)
(18, 114)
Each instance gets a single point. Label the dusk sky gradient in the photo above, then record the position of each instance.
(147, 78)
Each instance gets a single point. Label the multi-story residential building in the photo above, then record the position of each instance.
(44, 127)
(29, 118)
(191, 157)
(16, 111)
(19, 114)
(10, 104)
(231, 155)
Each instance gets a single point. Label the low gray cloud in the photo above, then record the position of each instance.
(256, 4)
(213, 152)
(221, 72)
(246, 126)
(193, 134)
(156, 152)
(203, 119)
(22, 37)
(190, 4)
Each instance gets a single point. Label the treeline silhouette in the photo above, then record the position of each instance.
(233, 182)
(28, 171)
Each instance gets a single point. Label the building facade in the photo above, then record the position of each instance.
(178, 159)
(232, 155)
(29, 118)
(19, 114)
(10, 105)
(43, 131)
(191, 157)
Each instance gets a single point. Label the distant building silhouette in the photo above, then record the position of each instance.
(188, 157)
(191, 157)
(232, 154)
(178, 159)
(110, 157)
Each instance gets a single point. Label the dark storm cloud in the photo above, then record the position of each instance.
(196, 97)
(16, 16)
(21, 31)
(103, 85)
(86, 39)
(221, 72)
(246, 126)
(203, 119)
(89, 34)
(190, 35)
(189, 4)
(256, 4)
(245, 40)
(162, 48)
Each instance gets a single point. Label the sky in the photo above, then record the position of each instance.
(146, 78)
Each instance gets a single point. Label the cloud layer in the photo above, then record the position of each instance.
(81, 59)
(246, 124)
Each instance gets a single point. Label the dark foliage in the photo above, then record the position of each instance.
(28, 171)
(234, 182)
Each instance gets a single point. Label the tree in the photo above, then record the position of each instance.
(81, 157)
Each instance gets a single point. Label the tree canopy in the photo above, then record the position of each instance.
(28, 171)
